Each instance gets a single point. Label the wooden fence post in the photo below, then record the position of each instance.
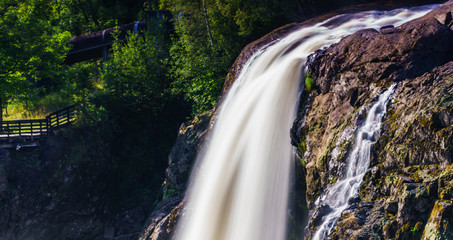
(47, 125)
(7, 129)
(31, 130)
(67, 116)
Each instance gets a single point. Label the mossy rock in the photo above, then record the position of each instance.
(439, 226)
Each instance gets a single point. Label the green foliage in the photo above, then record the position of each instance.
(85, 16)
(302, 162)
(134, 74)
(199, 78)
(199, 69)
(333, 180)
(302, 149)
(32, 47)
(255, 18)
(34, 38)
(302, 146)
(132, 97)
(168, 192)
(416, 230)
(309, 84)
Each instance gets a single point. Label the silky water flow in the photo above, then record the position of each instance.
(337, 196)
(239, 187)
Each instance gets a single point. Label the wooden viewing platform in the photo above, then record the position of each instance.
(27, 132)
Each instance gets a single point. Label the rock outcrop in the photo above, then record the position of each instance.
(406, 194)
(162, 221)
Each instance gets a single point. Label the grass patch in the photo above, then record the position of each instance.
(37, 107)
(19, 111)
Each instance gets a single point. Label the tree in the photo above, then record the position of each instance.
(134, 73)
(207, 22)
(86, 16)
(31, 46)
(210, 35)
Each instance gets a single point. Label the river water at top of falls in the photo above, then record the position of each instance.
(239, 188)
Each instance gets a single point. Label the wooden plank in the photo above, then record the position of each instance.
(22, 121)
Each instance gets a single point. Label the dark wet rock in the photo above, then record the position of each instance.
(52, 192)
(161, 223)
(413, 161)
(3, 181)
(414, 135)
(183, 154)
(5, 157)
(391, 207)
(354, 200)
(392, 54)
(440, 221)
(443, 14)
(318, 215)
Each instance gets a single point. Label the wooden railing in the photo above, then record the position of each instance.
(23, 129)
(61, 118)
(34, 129)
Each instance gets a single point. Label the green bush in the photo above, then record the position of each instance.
(309, 84)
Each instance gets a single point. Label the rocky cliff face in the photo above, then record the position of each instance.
(406, 194)
(63, 190)
(162, 221)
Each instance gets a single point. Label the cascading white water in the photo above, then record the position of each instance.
(239, 190)
(337, 196)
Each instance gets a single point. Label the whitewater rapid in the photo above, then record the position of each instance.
(337, 196)
(239, 188)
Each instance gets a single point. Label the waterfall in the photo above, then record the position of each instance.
(239, 187)
(337, 196)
